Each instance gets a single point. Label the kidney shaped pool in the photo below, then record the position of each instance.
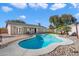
(39, 41)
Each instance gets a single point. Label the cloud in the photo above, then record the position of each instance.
(75, 5)
(38, 5)
(19, 5)
(33, 5)
(22, 17)
(57, 6)
(43, 5)
(6, 8)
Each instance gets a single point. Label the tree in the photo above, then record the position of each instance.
(51, 26)
(54, 20)
(67, 29)
(63, 21)
(67, 19)
(60, 29)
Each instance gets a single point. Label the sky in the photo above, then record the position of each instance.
(34, 13)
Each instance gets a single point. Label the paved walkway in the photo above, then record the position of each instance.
(12, 49)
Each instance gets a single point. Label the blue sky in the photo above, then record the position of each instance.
(34, 13)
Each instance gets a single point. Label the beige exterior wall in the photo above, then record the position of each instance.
(73, 29)
(18, 29)
(9, 29)
(78, 29)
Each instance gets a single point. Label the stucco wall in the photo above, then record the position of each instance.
(12, 29)
(9, 29)
(73, 29)
(78, 29)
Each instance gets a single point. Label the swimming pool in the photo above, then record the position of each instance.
(39, 41)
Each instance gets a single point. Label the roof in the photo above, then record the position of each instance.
(13, 23)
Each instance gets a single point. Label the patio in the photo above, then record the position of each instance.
(7, 39)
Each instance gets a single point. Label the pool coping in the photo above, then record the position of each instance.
(49, 48)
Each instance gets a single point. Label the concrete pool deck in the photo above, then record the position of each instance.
(66, 50)
(15, 50)
(6, 39)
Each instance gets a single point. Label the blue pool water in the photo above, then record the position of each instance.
(39, 41)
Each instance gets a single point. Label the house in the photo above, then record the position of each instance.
(73, 29)
(21, 28)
